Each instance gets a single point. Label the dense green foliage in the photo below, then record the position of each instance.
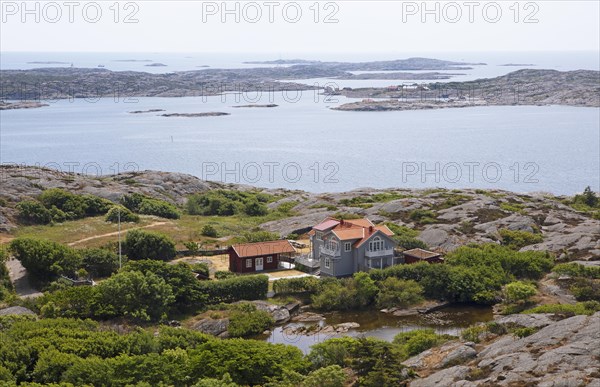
(517, 239)
(245, 320)
(141, 244)
(259, 236)
(376, 362)
(209, 231)
(472, 273)
(518, 291)
(5, 283)
(584, 282)
(32, 211)
(422, 216)
(296, 285)
(228, 203)
(577, 270)
(82, 352)
(100, 262)
(145, 205)
(45, 260)
(367, 201)
(414, 342)
(58, 205)
(120, 213)
(395, 292)
(233, 289)
(347, 293)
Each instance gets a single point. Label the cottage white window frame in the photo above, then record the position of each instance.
(319, 235)
(376, 244)
(248, 263)
(269, 259)
(327, 262)
(347, 246)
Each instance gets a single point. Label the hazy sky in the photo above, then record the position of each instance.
(354, 26)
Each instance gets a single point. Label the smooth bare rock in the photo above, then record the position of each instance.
(445, 378)
(210, 326)
(308, 317)
(16, 310)
(536, 320)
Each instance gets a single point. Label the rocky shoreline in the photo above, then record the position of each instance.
(21, 105)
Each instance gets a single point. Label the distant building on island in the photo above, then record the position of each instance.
(420, 255)
(261, 256)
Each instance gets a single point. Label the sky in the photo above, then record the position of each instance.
(302, 26)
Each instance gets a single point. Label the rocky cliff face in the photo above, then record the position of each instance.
(460, 216)
(562, 353)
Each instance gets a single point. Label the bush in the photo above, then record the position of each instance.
(577, 270)
(142, 204)
(142, 296)
(423, 216)
(587, 198)
(245, 320)
(45, 260)
(254, 208)
(260, 236)
(32, 211)
(209, 231)
(147, 245)
(419, 340)
(518, 292)
(125, 215)
(253, 287)
(332, 376)
(399, 293)
(100, 262)
(228, 202)
(348, 293)
(220, 275)
(296, 285)
(473, 333)
(517, 239)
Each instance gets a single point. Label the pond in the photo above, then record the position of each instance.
(449, 320)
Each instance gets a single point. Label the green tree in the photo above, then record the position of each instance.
(120, 212)
(395, 292)
(143, 296)
(331, 376)
(255, 208)
(44, 259)
(245, 320)
(32, 211)
(100, 262)
(141, 244)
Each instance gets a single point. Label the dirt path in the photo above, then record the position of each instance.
(155, 224)
(20, 279)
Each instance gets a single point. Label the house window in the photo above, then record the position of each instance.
(327, 262)
(347, 246)
(269, 259)
(319, 235)
(248, 263)
(331, 245)
(376, 244)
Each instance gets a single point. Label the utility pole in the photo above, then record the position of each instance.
(119, 221)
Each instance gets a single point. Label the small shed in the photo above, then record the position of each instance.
(260, 256)
(420, 255)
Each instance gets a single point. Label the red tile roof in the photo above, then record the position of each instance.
(326, 224)
(353, 229)
(263, 248)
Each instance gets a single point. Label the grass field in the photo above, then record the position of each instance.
(95, 231)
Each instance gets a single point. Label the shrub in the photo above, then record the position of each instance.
(255, 208)
(419, 340)
(238, 288)
(32, 211)
(524, 332)
(399, 293)
(147, 245)
(45, 260)
(512, 207)
(260, 236)
(125, 215)
(142, 296)
(245, 320)
(518, 291)
(517, 239)
(228, 202)
(473, 333)
(100, 262)
(588, 198)
(209, 231)
(348, 293)
(224, 274)
(296, 285)
(577, 270)
(331, 376)
(422, 216)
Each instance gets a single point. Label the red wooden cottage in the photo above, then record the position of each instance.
(260, 256)
(420, 255)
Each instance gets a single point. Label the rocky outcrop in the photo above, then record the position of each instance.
(214, 327)
(16, 310)
(561, 353)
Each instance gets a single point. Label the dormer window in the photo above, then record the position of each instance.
(319, 235)
(376, 244)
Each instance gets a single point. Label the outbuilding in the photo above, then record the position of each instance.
(260, 256)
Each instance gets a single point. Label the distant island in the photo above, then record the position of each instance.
(132, 60)
(517, 64)
(147, 111)
(50, 62)
(156, 65)
(21, 105)
(209, 114)
(269, 105)
(522, 87)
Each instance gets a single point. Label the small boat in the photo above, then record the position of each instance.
(100, 65)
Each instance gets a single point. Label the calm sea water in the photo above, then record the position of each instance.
(302, 144)
(305, 145)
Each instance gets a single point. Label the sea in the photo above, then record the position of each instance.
(302, 144)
